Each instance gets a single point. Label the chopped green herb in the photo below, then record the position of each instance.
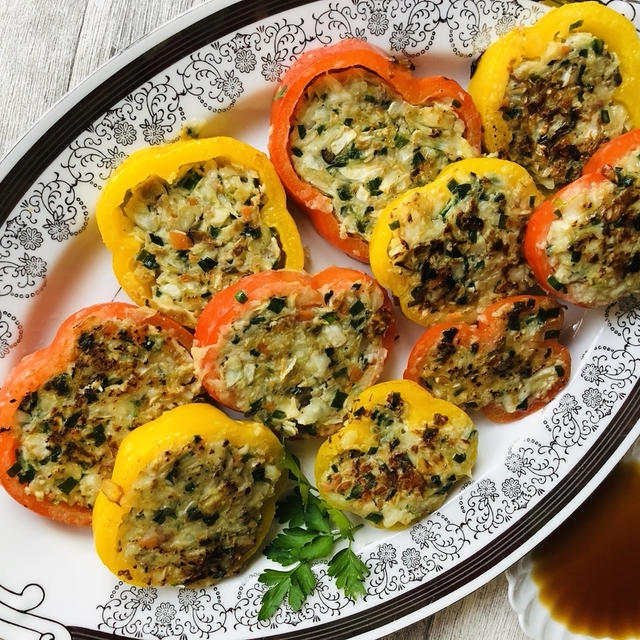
(147, 259)
(376, 518)
(206, 264)
(67, 485)
(556, 284)
(338, 399)
(276, 305)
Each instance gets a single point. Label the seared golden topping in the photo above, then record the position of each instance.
(193, 514)
(460, 249)
(294, 369)
(358, 142)
(406, 470)
(561, 108)
(511, 371)
(593, 245)
(123, 375)
(199, 234)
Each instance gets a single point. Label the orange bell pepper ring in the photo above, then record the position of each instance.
(387, 131)
(508, 364)
(583, 243)
(291, 349)
(65, 409)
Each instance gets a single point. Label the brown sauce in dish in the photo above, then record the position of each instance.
(588, 570)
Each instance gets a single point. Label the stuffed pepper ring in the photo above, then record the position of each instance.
(291, 349)
(551, 94)
(398, 456)
(65, 409)
(583, 243)
(352, 128)
(454, 246)
(187, 219)
(191, 498)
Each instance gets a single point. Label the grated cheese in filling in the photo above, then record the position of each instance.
(460, 250)
(199, 234)
(409, 470)
(358, 142)
(294, 369)
(194, 513)
(561, 108)
(123, 374)
(511, 372)
(593, 245)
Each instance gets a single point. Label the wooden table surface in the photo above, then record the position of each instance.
(47, 47)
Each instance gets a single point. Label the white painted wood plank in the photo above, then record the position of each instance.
(37, 45)
(112, 25)
(46, 48)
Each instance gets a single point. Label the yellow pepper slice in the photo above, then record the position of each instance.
(194, 254)
(398, 456)
(190, 500)
(454, 246)
(488, 86)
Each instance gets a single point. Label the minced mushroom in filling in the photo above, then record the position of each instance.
(359, 143)
(294, 369)
(194, 513)
(560, 108)
(123, 375)
(410, 469)
(199, 234)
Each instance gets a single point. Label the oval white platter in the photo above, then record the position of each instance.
(219, 64)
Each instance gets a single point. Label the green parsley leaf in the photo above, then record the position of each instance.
(349, 572)
(273, 597)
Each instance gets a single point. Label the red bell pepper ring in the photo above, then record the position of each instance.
(583, 243)
(352, 54)
(41, 367)
(290, 348)
(613, 152)
(508, 365)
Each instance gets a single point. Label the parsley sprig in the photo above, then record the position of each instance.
(314, 530)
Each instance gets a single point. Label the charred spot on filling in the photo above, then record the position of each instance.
(409, 471)
(459, 251)
(358, 142)
(294, 369)
(194, 514)
(199, 234)
(593, 244)
(512, 372)
(560, 108)
(122, 375)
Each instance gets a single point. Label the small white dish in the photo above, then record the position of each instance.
(535, 618)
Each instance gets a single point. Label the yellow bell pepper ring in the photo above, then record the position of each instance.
(398, 456)
(454, 246)
(191, 498)
(186, 219)
(551, 93)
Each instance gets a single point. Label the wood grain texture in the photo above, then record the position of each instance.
(46, 48)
